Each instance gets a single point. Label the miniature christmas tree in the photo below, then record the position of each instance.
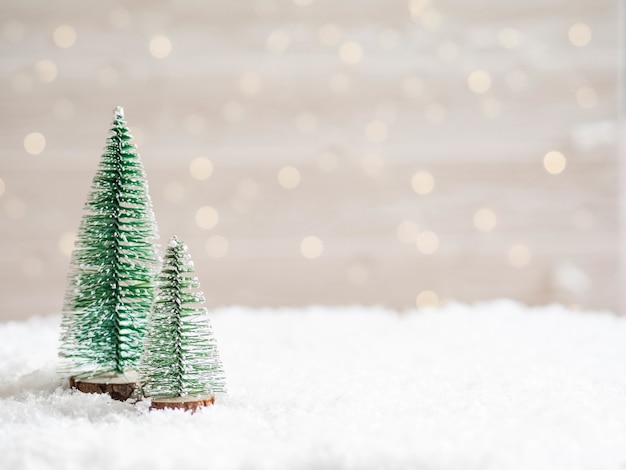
(112, 270)
(180, 366)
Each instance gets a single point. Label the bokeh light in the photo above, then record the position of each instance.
(66, 243)
(64, 36)
(351, 52)
(423, 182)
(407, 232)
(554, 162)
(34, 143)
(46, 70)
(427, 242)
(311, 247)
(579, 34)
(426, 298)
(519, 256)
(250, 83)
(289, 177)
(485, 220)
(160, 46)
(207, 217)
(479, 81)
(201, 168)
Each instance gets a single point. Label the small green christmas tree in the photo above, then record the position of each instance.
(180, 352)
(112, 269)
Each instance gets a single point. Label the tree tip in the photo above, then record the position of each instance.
(119, 112)
(174, 241)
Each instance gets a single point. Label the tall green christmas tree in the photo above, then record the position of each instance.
(113, 267)
(180, 352)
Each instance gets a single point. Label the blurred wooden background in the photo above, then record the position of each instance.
(324, 152)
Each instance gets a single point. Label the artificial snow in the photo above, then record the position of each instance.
(491, 386)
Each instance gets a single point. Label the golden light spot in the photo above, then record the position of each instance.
(63, 109)
(119, 17)
(430, 20)
(2, 187)
(448, 51)
(427, 242)
(326, 161)
(34, 143)
(217, 246)
(329, 34)
(15, 208)
(417, 7)
(357, 274)
(306, 122)
(485, 220)
(201, 168)
(250, 83)
(479, 81)
(435, 113)
(311, 247)
(554, 162)
(22, 82)
(579, 34)
(64, 36)
(509, 38)
(422, 182)
(491, 108)
(426, 298)
(277, 42)
(46, 70)
(160, 46)
(413, 87)
(247, 189)
(407, 232)
(516, 80)
(207, 217)
(174, 191)
(32, 267)
(583, 219)
(289, 177)
(233, 111)
(372, 164)
(586, 97)
(302, 3)
(519, 256)
(351, 52)
(339, 83)
(107, 76)
(376, 131)
(194, 123)
(13, 31)
(67, 243)
(389, 38)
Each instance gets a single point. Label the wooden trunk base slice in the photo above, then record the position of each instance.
(118, 386)
(191, 403)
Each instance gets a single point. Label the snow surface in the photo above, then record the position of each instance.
(490, 386)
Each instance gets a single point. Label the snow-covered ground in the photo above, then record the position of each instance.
(490, 386)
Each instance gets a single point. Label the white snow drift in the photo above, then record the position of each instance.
(493, 386)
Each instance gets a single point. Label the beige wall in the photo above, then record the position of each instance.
(358, 96)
